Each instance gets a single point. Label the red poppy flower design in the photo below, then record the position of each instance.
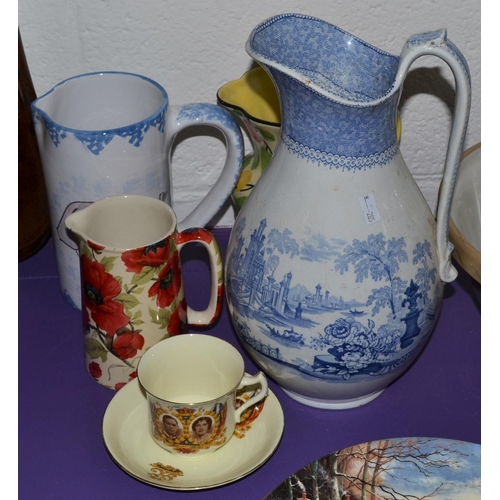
(151, 256)
(193, 234)
(119, 385)
(95, 370)
(127, 344)
(100, 288)
(178, 319)
(168, 284)
(95, 246)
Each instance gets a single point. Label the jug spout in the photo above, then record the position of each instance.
(76, 224)
(330, 61)
(326, 93)
(102, 224)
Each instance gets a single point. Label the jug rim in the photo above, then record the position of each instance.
(36, 108)
(251, 117)
(72, 220)
(296, 75)
(245, 82)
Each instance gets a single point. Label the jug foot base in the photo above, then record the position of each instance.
(334, 404)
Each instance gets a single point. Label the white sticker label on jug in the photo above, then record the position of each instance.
(369, 207)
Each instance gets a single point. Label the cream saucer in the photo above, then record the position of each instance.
(127, 439)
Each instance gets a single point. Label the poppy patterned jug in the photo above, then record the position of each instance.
(335, 265)
(132, 289)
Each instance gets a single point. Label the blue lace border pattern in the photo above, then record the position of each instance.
(98, 140)
(340, 161)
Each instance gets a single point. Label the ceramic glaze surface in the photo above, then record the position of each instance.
(253, 100)
(194, 412)
(110, 133)
(371, 75)
(465, 214)
(335, 265)
(132, 288)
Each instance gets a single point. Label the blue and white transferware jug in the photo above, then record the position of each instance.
(111, 133)
(335, 266)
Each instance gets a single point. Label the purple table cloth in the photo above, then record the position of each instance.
(61, 449)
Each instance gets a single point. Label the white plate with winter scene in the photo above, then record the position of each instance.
(403, 468)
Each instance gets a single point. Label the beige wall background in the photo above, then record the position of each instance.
(192, 47)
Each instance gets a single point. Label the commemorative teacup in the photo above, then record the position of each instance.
(191, 382)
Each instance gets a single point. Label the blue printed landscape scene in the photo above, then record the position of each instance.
(272, 299)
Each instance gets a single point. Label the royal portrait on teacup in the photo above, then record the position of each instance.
(189, 430)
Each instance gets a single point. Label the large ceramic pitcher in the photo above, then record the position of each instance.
(110, 133)
(336, 265)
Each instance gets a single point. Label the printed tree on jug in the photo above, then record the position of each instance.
(379, 259)
(425, 275)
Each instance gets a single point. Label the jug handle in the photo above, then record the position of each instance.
(206, 238)
(436, 43)
(181, 117)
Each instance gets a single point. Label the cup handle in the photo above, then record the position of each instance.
(261, 379)
(181, 117)
(211, 313)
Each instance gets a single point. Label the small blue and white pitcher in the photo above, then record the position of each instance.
(110, 133)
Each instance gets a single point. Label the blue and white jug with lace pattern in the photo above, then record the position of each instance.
(110, 133)
(336, 265)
